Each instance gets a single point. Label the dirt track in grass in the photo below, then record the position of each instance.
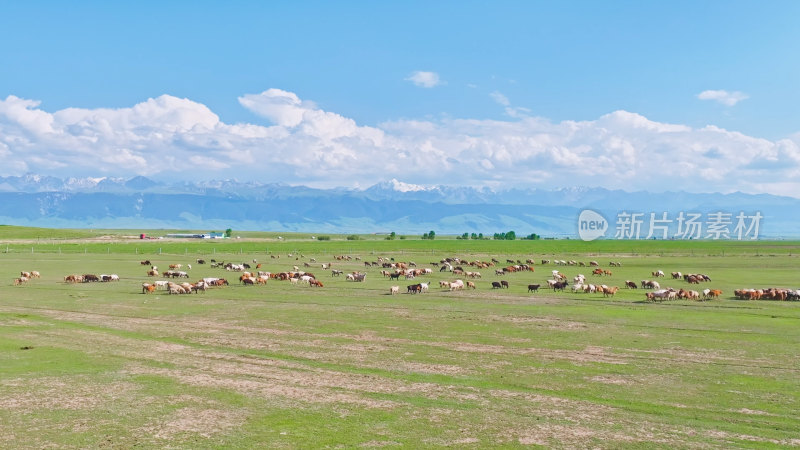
(347, 372)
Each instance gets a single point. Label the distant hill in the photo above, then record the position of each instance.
(140, 202)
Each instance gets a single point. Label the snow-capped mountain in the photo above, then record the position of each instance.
(388, 206)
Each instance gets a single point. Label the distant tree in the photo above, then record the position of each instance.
(474, 236)
(323, 238)
(480, 235)
(509, 236)
(465, 236)
(228, 232)
(353, 237)
(532, 237)
(391, 236)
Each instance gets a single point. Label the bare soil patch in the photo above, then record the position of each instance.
(195, 420)
(30, 394)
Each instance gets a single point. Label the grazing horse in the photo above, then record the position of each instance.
(533, 287)
(609, 291)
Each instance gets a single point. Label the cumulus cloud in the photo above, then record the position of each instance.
(424, 79)
(25, 115)
(724, 97)
(281, 107)
(305, 144)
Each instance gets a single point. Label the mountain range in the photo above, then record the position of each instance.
(140, 202)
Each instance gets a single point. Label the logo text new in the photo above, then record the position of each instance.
(591, 225)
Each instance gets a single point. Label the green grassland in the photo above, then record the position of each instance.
(348, 365)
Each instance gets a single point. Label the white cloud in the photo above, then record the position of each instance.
(25, 115)
(424, 79)
(181, 139)
(517, 112)
(724, 97)
(500, 98)
(283, 108)
(511, 111)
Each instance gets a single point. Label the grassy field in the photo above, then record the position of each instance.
(348, 365)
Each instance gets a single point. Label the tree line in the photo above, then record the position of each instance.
(506, 236)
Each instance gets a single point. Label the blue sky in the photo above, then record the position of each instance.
(513, 78)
